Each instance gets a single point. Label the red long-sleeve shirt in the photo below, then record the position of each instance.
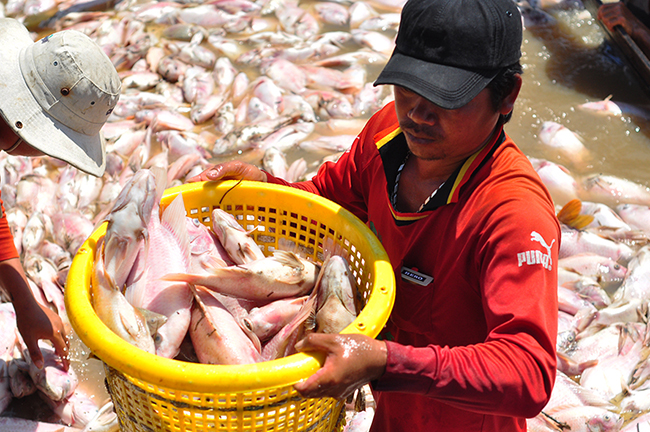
(7, 247)
(474, 349)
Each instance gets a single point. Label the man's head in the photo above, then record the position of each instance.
(57, 93)
(447, 51)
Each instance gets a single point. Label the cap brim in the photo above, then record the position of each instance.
(446, 86)
(39, 130)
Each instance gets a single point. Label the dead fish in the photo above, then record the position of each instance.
(216, 335)
(567, 142)
(52, 380)
(115, 311)
(240, 246)
(613, 190)
(169, 251)
(282, 275)
(127, 225)
(282, 344)
(335, 307)
(205, 248)
(266, 321)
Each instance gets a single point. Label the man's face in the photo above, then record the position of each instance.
(434, 133)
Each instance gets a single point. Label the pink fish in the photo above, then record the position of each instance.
(266, 321)
(169, 251)
(280, 276)
(216, 335)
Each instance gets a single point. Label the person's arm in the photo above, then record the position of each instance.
(34, 320)
(617, 14)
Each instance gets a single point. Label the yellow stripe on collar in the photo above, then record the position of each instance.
(386, 135)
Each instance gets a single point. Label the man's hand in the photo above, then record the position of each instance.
(34, 321)
(613, 14)
(45, 324)
(351, 361)
(232, 170)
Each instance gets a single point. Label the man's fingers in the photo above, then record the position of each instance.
(312, 342)
(35, 352)
(306, 385)
(61, 349)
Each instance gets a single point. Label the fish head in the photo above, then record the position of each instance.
(607, 421)
(548, 130)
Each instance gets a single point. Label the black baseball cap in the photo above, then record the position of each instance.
(447, 51)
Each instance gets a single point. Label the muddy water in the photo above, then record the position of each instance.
(566, 65)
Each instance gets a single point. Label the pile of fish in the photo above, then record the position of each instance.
(152, 268)
(603, 290)
(285, 85)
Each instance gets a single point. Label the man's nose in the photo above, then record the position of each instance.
(423, 111)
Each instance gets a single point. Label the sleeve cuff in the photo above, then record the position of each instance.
(407, 369)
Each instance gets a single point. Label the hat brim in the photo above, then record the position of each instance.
(37, 128)
(446, 86)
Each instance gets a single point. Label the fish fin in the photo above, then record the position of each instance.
(331, 248)
(570, 215)
(310, 306)
(180, 277)
(310, 322)
(630, 237)
(212, 262)
(570, 211)
(285, 244)
(282, 344)
(160, 175)
(204, 309)
(247, 253)
(174, 218)
(289, 259)
(249, 233)
(554, 423)
(154, 320)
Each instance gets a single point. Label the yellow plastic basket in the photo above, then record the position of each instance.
(153, 393)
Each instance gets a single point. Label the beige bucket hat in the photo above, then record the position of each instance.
(57, 93)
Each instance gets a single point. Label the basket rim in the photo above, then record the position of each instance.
(196, 377)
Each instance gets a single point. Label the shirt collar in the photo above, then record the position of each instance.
(392, 147)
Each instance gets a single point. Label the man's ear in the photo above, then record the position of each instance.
(509, 101)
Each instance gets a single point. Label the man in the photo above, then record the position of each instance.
(55, 95)
(633, 16)
(468, 226)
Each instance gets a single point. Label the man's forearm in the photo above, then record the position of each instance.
(14, 282)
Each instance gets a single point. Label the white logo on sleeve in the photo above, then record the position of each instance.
(531, 257)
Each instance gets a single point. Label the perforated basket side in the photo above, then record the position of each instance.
(142, 406)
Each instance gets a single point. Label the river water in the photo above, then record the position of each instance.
(568, 64)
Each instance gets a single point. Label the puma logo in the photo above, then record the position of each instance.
(531, 257)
